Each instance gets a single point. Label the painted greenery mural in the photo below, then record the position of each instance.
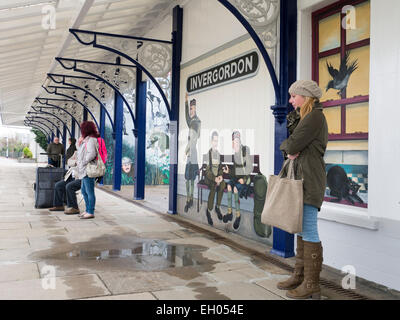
(157, 145)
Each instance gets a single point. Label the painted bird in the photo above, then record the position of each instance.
(341, 77)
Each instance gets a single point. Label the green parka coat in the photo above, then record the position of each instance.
(310, 138)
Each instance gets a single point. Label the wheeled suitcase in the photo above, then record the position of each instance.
(46, 179)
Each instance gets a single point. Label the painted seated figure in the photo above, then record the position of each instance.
(214, 179)
(239, 181)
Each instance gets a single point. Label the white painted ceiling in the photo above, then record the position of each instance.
(27, 49)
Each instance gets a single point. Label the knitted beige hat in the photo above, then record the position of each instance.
(306, 88)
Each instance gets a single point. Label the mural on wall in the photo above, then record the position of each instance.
(127, 175)
(128, 156)
(157, 138)
(231, 190)
(157, 144)
(341, 67)
(341, 77)
(192, 167)
(239, 177)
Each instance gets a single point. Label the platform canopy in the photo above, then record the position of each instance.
(29, 44)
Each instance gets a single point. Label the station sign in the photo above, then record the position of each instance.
(236, 69)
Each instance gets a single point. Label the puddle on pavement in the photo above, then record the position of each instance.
(179, 255)
(143, 254)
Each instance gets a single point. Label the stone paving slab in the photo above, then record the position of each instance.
(231, 291)
(155, 227)
(17, 272)
(230, 276)
(199, 241)
(16, 219)
(74, 287)
(148, 281)
(134, 296)
(270, 285)
(17, 255)
(15, 243)
(71, 224)
(14, 225)
(38, 232)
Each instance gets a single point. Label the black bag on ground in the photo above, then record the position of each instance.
(46, 178)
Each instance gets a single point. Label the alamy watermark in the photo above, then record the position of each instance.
(349, 22)
(49, 17)
(349, 281)
(49, 277)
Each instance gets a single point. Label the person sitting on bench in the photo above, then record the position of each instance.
(69, 186)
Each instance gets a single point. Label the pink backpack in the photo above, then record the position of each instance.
(102, 149)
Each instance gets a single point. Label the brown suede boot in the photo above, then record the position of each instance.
(298, 274)
(71, 211)
(312, 269)
(57, 209)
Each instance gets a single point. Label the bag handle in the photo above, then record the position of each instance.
(290, 172)
(285, 164)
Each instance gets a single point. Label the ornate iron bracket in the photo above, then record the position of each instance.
(69, 106)
(152, 56)
(55, 92)
(51, 114)
(36, 117)
(109, 73)
(32, 124)
(95, 88)
(37, 104)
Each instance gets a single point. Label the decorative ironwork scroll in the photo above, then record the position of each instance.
(263, 17)
(102, 93)
(152, 56)
(121, 78)
(72, 107)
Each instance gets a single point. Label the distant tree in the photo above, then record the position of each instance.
(40, 138)
(27, 153)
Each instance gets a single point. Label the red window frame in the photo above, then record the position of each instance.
(317, 16)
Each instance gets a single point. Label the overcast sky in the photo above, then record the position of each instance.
(11, 131)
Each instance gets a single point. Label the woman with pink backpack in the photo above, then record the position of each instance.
(88, 144)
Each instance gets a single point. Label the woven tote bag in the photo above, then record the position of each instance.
(284, 203)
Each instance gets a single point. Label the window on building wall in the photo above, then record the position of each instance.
(341, 54)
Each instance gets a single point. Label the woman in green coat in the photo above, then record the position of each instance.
(307, 145)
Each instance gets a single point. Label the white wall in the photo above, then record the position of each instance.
(384, 141)
(206, 26)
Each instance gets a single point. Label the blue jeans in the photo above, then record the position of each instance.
(87, 190)
(310, 224)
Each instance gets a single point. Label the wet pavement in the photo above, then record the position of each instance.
(126, 252)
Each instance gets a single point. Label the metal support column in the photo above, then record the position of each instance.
(72, 128)
(177, 24)
(118, 123)
(283, 242)
(85, 115)
(65, 142)
(140, 137)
